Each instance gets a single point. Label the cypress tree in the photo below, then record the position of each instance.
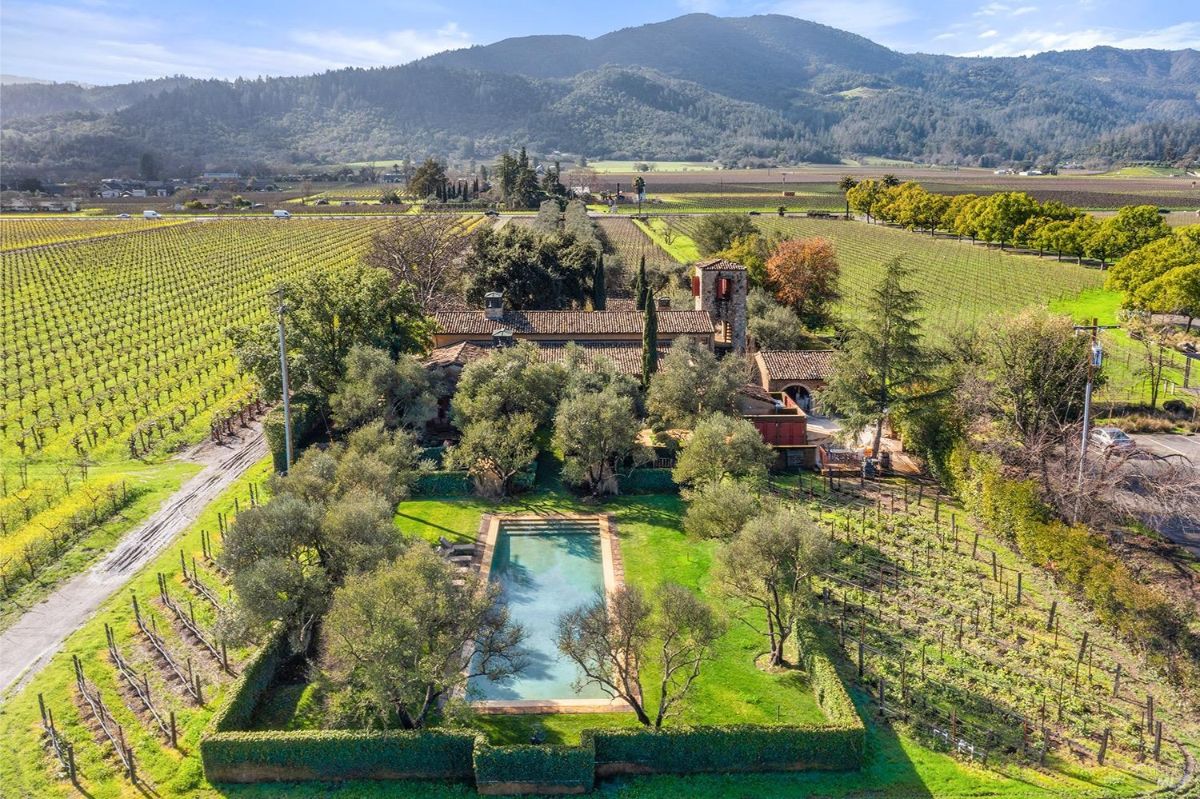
(649, 340)
(640, 285)
(599, 292)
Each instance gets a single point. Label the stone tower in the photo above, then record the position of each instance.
(720, 287)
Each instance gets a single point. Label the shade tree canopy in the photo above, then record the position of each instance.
(804, 275)
(329, 312)
(691, 382)
(723, 448)
(399, 638)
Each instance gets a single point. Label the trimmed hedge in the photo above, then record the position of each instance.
(256, 677)
(308, 413)
(838, 745)
(337, 755)
(442, 484)
(458, 483)
(525, 768)
(648, 481)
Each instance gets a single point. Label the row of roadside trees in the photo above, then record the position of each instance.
(1011, 218)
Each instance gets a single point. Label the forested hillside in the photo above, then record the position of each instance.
(744, 90)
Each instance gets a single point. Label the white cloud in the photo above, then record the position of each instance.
(866, 17)
(1003, 10)
(989, 34)
(392, 47)
(111, 45)
(1029, 42)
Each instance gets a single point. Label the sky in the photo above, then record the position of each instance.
(113, 41)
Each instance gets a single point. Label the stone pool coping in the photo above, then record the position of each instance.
(613, 570)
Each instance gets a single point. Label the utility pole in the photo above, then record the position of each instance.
(1095, 359)
(283, 372)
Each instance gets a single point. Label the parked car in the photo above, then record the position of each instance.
(1112, 439)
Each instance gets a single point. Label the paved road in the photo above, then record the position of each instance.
(28, 645)
(1171, 445)
(1161, 452)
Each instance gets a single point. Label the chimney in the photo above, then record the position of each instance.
(664, 303)
(502, 338)
(493, 305)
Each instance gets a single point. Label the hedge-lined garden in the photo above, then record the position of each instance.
(230, 755)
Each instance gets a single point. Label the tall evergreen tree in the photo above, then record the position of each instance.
(641, 285)
(599, 293)
(649, 340)
(885, 364)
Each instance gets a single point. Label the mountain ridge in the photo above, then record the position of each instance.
(746, 90)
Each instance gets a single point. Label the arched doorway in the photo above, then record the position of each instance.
(800, 396)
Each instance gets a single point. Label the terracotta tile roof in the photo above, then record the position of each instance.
(797, 364)
(718, 263)
(626, 357)
(459, 354)
(572, 323)
(756, 392)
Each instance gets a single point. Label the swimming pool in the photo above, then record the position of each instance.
(545, 566)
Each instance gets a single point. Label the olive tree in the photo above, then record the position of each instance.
(495, 451)
(596, 433)
(723, 447)
(766, 570)
(400, 392)
(691, 383)
(398, 639)
(721, 509)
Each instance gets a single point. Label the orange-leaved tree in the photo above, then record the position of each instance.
(804, 274)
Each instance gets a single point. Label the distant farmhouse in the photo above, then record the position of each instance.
(778, 402)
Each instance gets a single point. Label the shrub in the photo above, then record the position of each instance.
(648, 481)
(308, 416)
(337, 755)
(534, 769)
(1079, 559)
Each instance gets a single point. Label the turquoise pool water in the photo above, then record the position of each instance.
(543, 568)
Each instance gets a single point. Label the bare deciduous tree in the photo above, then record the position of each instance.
(610, 640)
(425, 252)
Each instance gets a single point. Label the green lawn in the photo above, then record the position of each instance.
(654, 548)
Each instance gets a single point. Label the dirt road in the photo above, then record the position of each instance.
(28, 645)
